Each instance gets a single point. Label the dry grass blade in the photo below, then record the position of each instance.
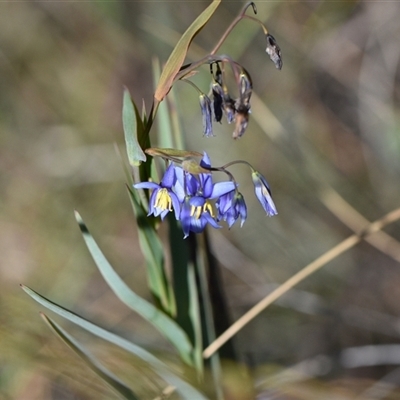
(167, 392)
(355, 221)
(300, 276)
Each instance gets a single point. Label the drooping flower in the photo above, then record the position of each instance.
(162, 199)
(243, 104)
(274, 51)
(195, 193)
(246, 88)
(205, 104)
(229, 108)
(223, 103)
(230, 207)
(188, 189)
(241, 121)
(196, 213)
(263, 193)
(218, 94)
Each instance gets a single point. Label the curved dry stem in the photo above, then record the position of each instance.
(232, 25)
(354, 220)
(300, 276)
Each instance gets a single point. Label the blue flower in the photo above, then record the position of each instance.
(191, 195)
(263, 193)
(162, 199)
(230, 207)
(195, 193)
(196, 214)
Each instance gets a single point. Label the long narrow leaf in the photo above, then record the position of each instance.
(183, 388)
(194, 315)
(91, 361)
(133, 128)
(167, 326)
(178, 55)
(153, 252)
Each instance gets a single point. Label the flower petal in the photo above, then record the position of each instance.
(205, 161)
(192, 184)
(222, 188)
(169, 177)
(179, 187)
(176, 205)
(146, 185)
(207, 184)
(263, 193)
(197, 201)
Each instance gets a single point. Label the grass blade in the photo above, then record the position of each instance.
(133, 129)
(153, 252)
(183, 388)
(194, 315)
(166, 326)
(308, 270)
(93, 364)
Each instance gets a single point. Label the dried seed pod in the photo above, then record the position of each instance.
(274, 51)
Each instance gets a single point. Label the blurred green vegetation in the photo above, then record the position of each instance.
(322, 130)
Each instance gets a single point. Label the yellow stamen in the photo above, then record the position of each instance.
(208, 208)
(196, 211)
(163, 200)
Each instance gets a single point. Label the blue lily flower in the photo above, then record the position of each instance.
(263, 193)
(230, 207)
(195, 193)
(162, 199)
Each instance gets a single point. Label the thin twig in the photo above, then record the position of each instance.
(231, 26)
(300, 276)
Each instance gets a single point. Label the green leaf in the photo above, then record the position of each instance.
(194, 315)
(153, 252)
(91, 361)
(133, 129)
(183, 388)
(167, 326)
(177, 57)
(124, 164)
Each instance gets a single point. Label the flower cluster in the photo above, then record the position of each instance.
(220, 102)
(192, 195)
(187, 187)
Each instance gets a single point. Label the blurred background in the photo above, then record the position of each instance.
(324, 131)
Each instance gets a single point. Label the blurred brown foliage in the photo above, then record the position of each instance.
(324, 130)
